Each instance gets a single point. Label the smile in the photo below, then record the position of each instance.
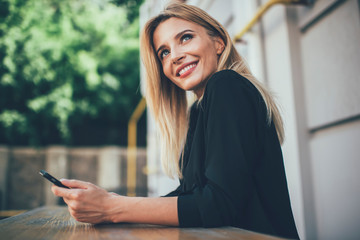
(187, 69)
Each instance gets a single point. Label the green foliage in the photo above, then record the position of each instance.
(132, 7)
(69, 72)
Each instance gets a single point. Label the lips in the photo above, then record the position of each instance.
(186, 69)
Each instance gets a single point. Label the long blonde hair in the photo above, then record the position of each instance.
(168, 102)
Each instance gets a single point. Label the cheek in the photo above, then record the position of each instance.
(211, 60)
(208, 52)
(167, 70)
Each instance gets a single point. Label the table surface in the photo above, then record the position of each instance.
(56, 223)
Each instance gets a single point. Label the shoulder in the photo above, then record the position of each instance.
(225, 78)
(228, 90)
(229, 83)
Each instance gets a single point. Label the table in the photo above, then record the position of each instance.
(56, 223)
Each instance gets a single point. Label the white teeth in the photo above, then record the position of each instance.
(185, 69)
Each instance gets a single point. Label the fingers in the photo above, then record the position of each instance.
(77, 189)
(85, 201)
(73, 193)
(75, 183)
(59, 191)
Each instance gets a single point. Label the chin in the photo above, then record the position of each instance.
(190, 87)
(191, 84)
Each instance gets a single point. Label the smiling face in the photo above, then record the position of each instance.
(189, 56)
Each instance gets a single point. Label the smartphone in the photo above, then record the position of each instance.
(52, 179)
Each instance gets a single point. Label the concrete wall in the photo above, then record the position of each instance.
(309, 57)
(22, 187)
(329, 42)
(234, 14)
(282, 76)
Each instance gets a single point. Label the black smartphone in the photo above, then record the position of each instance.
(52, 179)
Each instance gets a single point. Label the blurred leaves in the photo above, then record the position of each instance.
(69, 71)
(132, 7)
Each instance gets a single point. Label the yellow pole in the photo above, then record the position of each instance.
(131, 151)
(260, 12)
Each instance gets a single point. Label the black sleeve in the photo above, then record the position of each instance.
(231, 112)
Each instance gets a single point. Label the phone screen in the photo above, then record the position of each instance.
(52, 179)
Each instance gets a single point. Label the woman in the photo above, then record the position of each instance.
(230, 166)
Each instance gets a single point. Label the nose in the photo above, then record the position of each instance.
(177, 56)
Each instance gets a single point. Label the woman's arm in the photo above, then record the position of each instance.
(89, 203)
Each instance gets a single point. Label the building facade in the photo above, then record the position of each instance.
(309, 56)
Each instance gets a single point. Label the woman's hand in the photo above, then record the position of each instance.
(92, 204)
(86, 201)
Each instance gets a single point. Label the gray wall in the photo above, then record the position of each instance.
(312, 58)
(330, 47)
(309, 56)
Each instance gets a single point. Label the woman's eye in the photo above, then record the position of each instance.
(164, 53)
(186, 37)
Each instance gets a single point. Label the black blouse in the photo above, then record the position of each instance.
(233, 171)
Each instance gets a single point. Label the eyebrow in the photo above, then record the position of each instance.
(176, 37)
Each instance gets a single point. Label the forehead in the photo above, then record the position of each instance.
(167, 30)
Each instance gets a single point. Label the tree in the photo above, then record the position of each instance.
(69, 72)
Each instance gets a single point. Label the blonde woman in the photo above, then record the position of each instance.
(225, 149)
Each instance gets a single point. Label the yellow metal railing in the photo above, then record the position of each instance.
(131, 150)
(260, 12)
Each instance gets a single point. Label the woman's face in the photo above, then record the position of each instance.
(189, 56)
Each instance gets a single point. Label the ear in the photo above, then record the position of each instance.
(219, 45)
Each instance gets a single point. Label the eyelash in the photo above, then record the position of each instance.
(162, 53)
(185, 36)
(182, 39)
